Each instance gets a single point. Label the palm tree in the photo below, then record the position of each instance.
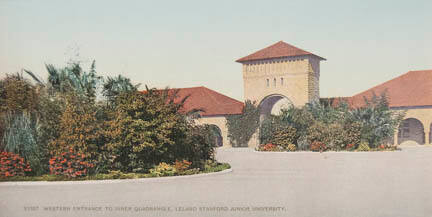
(113, 86)
(70, 78)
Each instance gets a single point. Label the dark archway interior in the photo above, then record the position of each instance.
(218, 135)
(411, 129)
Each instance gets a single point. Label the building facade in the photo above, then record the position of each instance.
(409, 92)
(283, 75)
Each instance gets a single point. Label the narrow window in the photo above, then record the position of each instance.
(268, 83)
(274, 82)
(281, 81)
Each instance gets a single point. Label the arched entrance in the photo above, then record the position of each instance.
(411, 130)
(218, 135)
(272, 105)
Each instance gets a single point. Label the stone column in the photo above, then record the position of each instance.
(427, 136)
(395, 138)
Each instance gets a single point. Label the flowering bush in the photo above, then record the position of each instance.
(284, 136)
(269, 147)
(12, 165)
(163, 169)
(70, 164)
(318, 146)
(350, 147)
(182, 166)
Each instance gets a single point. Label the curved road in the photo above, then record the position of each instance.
(261, 184)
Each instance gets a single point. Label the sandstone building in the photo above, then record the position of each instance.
(282, 75)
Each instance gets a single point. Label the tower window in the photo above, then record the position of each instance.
(274, 82)
(268, 83)
(281, 81)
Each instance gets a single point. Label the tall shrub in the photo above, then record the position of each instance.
(378, 121)
(284, 136)
(80, 129)
(145, 129)
(198, 147)
(241, 127)
(21, 138)
(267, 127)
(299, 118)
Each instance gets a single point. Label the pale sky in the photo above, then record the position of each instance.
(195, 43)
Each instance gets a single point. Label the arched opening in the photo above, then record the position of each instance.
(217, 134)
(411, 130)
(270, 105)
(273, 105)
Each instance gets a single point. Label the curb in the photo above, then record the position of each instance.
(110, 181)
(325, 152)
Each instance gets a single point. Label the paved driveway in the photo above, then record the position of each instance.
(261, 184)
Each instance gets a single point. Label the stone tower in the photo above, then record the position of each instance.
(281, 70)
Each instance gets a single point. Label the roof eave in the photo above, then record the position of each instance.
(243, 61)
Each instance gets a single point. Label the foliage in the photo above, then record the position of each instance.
(302, 143)
(242, 127)
(291, 147)
(331, 134)
(350, 147)
(198, 146)
(364, 146)
(12, 164)
(269, 147)
(21, 138)
(318, 146)
(163, 169)
(215, 132)
(267, 127)
(182, 166)
(377, 121)
(383, 147)
(335, 125)
(114, 86)
(327, 113)
(131, 132)
(73, 78)
(284, 136)
(216, 168)
(352, 133)
(79, 128)
(299, 118)
(17, 95)
(317, 132)
(112, 174)
(70, 164)
(49, 118)
(147, 128)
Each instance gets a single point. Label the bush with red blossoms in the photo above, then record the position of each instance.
(70, 164)
(350, 147)
(269, 147)
(12, 164)
(318, 146)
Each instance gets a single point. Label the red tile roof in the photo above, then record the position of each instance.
(212, 102)
(278, 50)
(413, 88)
